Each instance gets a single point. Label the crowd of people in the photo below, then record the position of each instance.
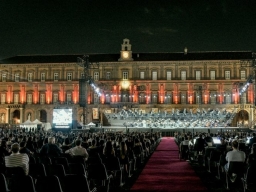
(230, 147)
(21, 147)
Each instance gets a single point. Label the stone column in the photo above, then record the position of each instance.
(7, 119)
(21, 115)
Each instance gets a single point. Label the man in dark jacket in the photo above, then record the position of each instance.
(50, 149)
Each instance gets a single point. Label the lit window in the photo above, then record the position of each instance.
(29, 98)
(42, 76)
(56, 76)
(3, 98)
(30, 76)
(69, 76)
(183, 75)
(125, 75)
(42, 98)
(198, 75)
(108, 75)
(242, 74)
(227, 74)
(154, 75)
(69, 97)
(4, 77)
(16, 98)
(55, 97)
(142, 75)
(17, 77)
(96, 76)
(212, 75)
(168, 75)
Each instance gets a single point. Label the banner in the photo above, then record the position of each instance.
(95, 113)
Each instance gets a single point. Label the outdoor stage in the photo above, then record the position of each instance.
(163, 131)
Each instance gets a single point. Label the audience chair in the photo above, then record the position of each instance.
(45, 160)
(78, 159)
(213, 158)
(77, 169)
(37, 170)
(23, 183)
(77, 183)
(133, 159)
(32, 160)
(48, 184)
(62, 161)
(236, 168)
(249, 179)
(98, 173)
(3, 184)
(113, 165)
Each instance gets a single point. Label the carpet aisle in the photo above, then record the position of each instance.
(165, 172)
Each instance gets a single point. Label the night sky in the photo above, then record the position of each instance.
(99, 26)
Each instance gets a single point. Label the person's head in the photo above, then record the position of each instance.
(15, 148)
(78, 142)
(93, 142)
(66, 141)
(235, 144)
(51, 140)
(3, 143)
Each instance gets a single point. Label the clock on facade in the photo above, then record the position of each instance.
(125, 54)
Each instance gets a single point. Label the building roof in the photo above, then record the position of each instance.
(178, 56)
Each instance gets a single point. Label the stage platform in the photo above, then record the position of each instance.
(163, 131)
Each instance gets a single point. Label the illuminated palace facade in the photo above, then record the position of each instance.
(36, 84)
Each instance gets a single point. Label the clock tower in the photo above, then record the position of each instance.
(126, 51)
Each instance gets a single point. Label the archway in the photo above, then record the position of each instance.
(16, 117)
(43, 116)
(242, 118)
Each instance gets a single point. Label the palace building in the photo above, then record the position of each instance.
(32, 86)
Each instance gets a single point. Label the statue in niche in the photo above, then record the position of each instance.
(82, 118)
(2, 117)
(29, 116)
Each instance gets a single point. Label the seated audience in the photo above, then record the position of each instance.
(50, 149)
(17, 159)
(78, 150)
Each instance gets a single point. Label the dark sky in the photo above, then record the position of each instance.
(99, 26)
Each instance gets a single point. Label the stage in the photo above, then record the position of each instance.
(163, 131)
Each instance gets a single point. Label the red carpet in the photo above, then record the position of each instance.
(165, 172)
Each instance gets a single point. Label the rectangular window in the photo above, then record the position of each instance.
(82, 75)
(168, 75)
(183, 75)
(16, 98)
(154, 75)
(96, 98)
(69, 76)
(125, 75)
(212, 75)
(3, 98)
(108, 75)
(243, 75)
(17, 77)
(42, 98)
(96, 76)
(42, 76)
(69, 97)
(4, 77)
(142, 75)
(227, 74)
(55, 97)
(30, 76)
(29, 98)
(198, 75)
(56, 76)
